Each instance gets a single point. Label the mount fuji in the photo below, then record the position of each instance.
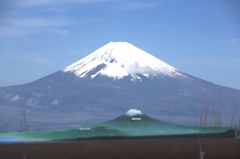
(110, 81)
(121, 59)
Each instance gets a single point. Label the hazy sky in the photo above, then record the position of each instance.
(198, 37)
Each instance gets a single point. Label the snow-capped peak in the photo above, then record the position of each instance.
(133, 112)
(120, 59)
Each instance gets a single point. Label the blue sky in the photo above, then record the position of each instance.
(200, 37)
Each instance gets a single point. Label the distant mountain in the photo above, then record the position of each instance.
(111, 80)
(120, 60)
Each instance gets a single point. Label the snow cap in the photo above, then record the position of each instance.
(133, 112)
(118, 60)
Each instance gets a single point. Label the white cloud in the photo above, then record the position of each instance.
(135, 68)
(6, 31)
(59, 9)
(29, 16)
(35, 25)
(233, 42)
(54, 102)
(129, 6)
(232, 62)
(40, 22)
(30, 3)
(29, 58)
(58, 31)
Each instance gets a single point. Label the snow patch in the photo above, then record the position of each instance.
(133, 112)
(16, 97)
(10, 97)
(84, 129)
(136, 119)
(32, 102)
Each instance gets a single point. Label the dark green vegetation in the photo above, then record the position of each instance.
(124, 126)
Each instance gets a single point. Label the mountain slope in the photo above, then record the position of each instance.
(111, 80)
